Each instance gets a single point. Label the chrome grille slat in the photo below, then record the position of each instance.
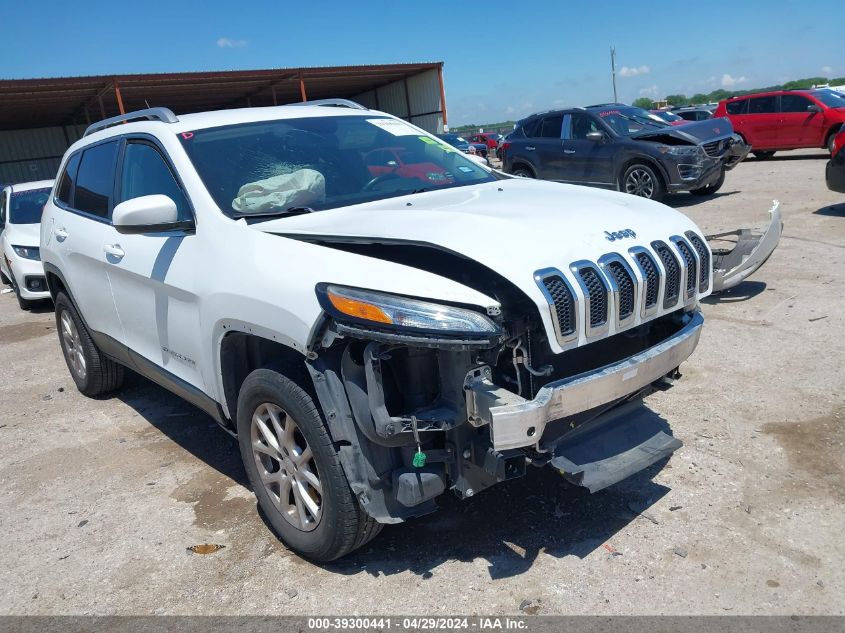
(703, 258)
(690, 261)
(564, 303)
(651, 277)
(672, 284)
(598, 296)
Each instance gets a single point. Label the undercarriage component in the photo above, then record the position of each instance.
(613, 447)
(737, 254)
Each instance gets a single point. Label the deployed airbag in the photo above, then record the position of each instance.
(300, 188)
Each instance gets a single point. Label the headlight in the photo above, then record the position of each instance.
(394, 312)
(681, 150)
(28, 252)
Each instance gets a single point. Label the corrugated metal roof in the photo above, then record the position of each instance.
(43, 102)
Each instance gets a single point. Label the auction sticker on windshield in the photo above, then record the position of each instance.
(395, 127)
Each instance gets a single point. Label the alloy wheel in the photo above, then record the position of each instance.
(639, 183)
(286, 466)
(73, 346)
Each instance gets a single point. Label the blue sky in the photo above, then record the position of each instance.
(503, 59)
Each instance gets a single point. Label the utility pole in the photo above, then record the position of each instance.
(613, 71)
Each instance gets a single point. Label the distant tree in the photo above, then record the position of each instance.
(643, 102)
(802, 84)
(677, 100)
(699, 98)
(837, 81)
(718, 95)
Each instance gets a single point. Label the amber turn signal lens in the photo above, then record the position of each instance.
(359, 309)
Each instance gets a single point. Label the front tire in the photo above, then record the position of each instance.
(763, 155)
(25, 304)
(295, 470)
(710, 189)
(641, 180)
(523, 172)
(93, 373)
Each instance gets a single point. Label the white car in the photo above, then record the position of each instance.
(20, 216)
(373, 339)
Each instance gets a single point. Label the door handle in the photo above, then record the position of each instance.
(529, 148)
(60, 233)
(569, 151)
(114, 250)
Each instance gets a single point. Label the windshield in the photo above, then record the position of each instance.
(26, 206)
(667, 116)
(831, 98)
(628, 121)
(454, 138)
(311, 164)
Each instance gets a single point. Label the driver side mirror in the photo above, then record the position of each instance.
(813, 108)
(595, 136)
(148, 214)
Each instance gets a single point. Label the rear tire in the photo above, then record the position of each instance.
(763, 155)
(829, 143)
(295, 470)
(710, 189)
(93, 373)
(642, 180)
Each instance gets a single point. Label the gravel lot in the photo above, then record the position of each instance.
(101, 498)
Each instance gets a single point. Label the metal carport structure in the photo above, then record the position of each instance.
(40, 118)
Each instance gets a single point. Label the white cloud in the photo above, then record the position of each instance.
(634, 71)
(650, 91)
(226, 42)
(728, 81)
(827, 70)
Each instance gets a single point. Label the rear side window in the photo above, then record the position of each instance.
(551, 127)
(737, 107)
(794, 103)
(145, 172)
(529, 128)
(763, 105)
(95, 179)
(65, 189)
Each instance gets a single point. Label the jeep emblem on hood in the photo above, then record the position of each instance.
(618, 235)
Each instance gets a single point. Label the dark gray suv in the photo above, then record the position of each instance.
(620, 147)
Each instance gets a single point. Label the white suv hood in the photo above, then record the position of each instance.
(24, 234)
(515, 227)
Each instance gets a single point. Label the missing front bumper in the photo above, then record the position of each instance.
(516, 422)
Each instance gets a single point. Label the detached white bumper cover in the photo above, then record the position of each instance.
(751, 250)
(516, 422)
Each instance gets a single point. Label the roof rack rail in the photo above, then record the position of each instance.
(603, 105)
(164, 115)
(335, 103)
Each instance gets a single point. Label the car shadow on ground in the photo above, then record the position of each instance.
(184, 424)
(688, 200)
(743, 292)
(834, 210)
(508, 525)
(788, 156)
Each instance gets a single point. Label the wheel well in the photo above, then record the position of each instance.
(524, 165)
(241, 353)
(658, 169)
(54, 283)
(831, 132)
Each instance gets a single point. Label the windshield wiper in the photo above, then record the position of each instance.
(278, 213)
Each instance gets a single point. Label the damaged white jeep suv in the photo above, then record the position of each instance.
(378, 319)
